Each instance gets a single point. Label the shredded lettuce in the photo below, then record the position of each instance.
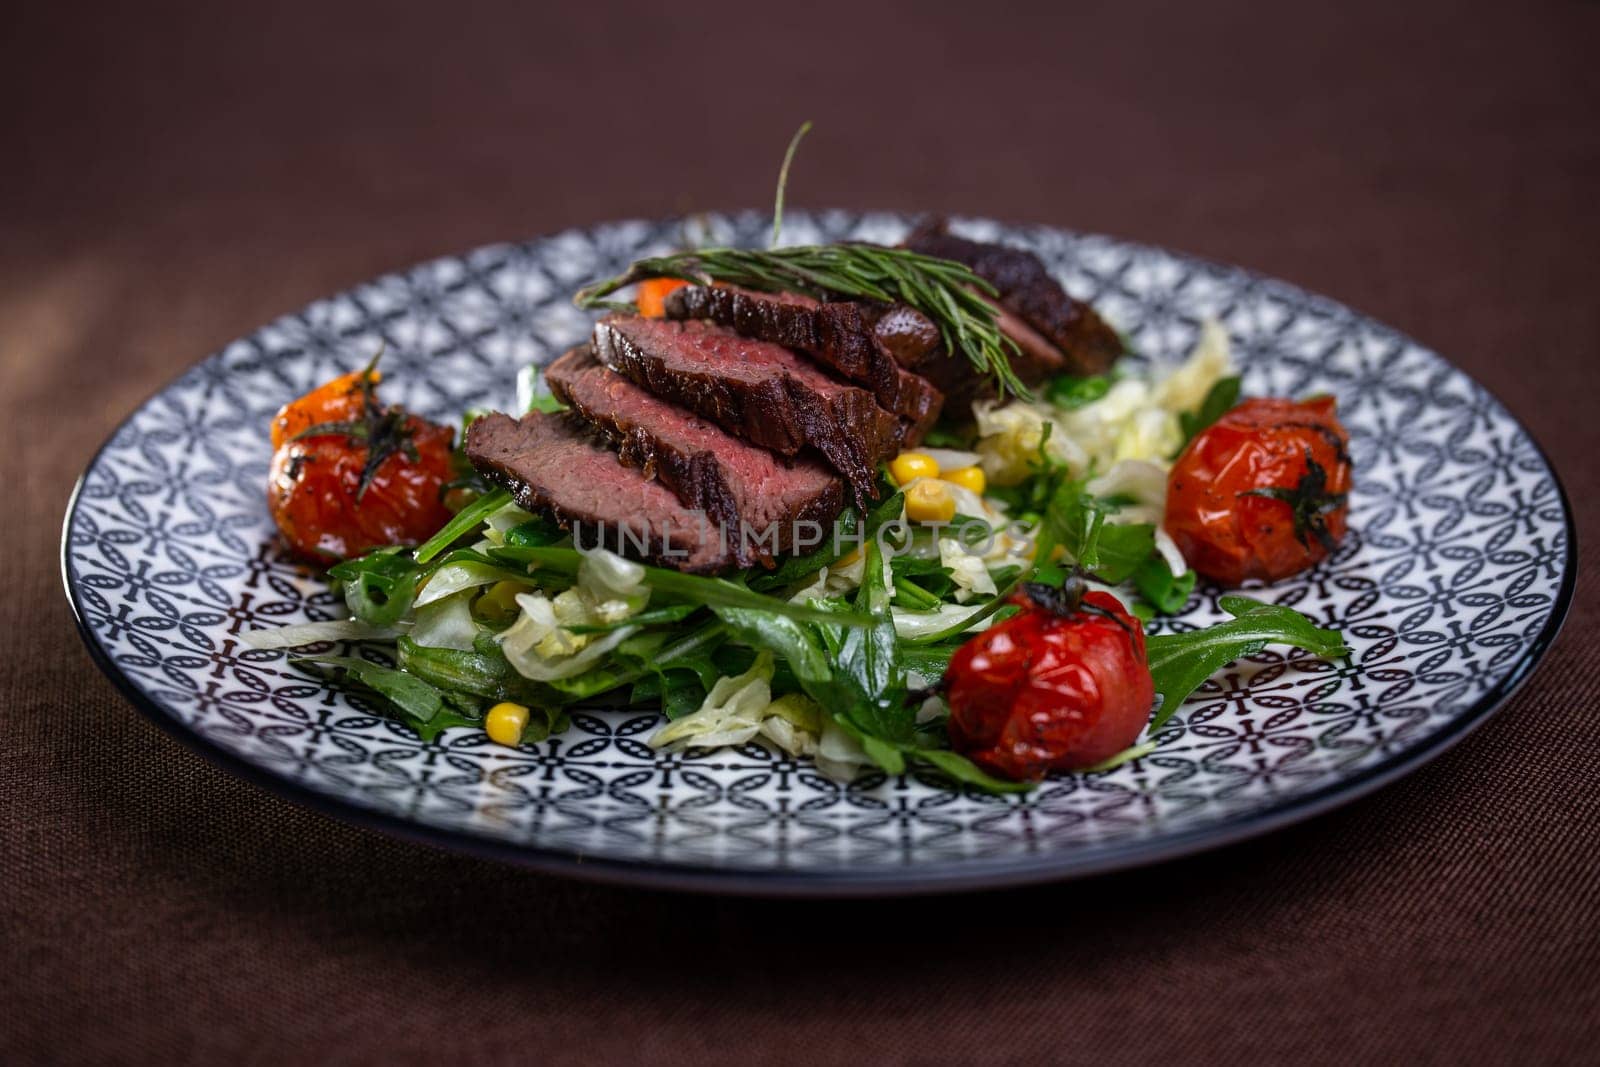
(310, 633)
(446, 623)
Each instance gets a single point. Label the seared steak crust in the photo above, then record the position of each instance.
(754, 389)
(755, 496)
(866, 342)
(550, 463)
(1087, 344)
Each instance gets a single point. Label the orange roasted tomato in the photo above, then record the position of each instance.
(1061, 685)
(1262, 492)
(653, 293)
(349, 475)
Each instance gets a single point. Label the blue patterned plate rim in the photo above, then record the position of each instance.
(844, 881)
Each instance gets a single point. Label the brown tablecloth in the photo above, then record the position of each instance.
(171, 179)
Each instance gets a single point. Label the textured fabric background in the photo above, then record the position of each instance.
(174, 177)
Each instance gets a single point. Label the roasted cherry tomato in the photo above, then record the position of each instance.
(349, 475)
(652, 298)
(1061, 685)
(1261, 492)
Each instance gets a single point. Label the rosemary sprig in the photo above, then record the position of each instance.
(950, 294)
(783, 180)
(945, 291)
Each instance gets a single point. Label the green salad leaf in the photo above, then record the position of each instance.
(1222, 395)
(380, 586)
(465, 521)
(1181, 662)
(1069, 392)
(850, 533)
(1165, 591)
(419, 705)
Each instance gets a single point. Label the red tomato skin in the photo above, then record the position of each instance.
(1261, 443)
(1041, 691)
(314, 482)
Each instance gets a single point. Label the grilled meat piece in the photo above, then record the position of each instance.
(866, 342)
(758, 499)
(1086, 344)
(756, 390)
(551, 463)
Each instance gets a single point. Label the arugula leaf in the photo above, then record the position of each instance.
(1166, 592)
(693, 588)
(964, 770)
(561, 559)
(868, 662)
(943, 436)
(720, 592)
(681, 694)
(1222, 395)
(466, 520)
(535, 533)
(416, 703)
(650, 659)
(980, 612)
(850, 532)
(1069, 392)
(654, 617)
(791, 640)
(380, 586)
(921, 583)
(928, 662)
(1127, 755)
(1076, 521)
(1179, 663)
(1122, 548)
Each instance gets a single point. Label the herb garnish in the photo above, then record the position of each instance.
(948, 293)
(385, 431)
(1310, 503)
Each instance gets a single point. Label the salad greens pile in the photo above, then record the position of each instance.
(835, 654)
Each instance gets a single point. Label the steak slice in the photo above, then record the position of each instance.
(755, 497)
(754, 389)
(551, 464)
(867, 342)
(1086, 343)
(1034, 360)
(917, 408)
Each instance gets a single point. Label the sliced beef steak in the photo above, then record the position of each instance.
(866, 342)
(758, 499)
(917, 407)
(1034, 360)
(550, 463)
(1086, 343)
(754, 389)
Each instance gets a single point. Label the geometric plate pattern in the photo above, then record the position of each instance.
(1456, 573)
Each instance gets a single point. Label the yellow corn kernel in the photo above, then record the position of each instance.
(967, 478)
(505, 722)
(909, 466)
(930, 501)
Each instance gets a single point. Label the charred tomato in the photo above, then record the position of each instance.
(349, 475)
(1061, 685)
(1262, 492)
